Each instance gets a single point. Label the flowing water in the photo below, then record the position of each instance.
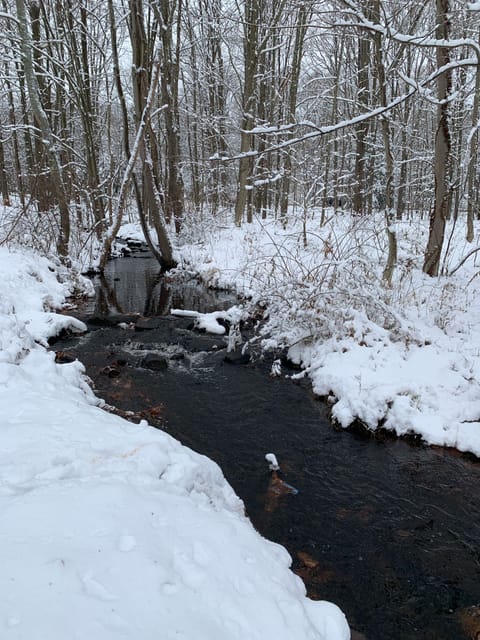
(388, 530)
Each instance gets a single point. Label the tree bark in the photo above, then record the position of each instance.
(440, 211)
(253, 45)
(44, 125)
(303, 17)
(472, 186)
(360, 191)
(165, 258)
(151, 197)
(250, 64)
(3, 174)
(174, 192)
(387, 143)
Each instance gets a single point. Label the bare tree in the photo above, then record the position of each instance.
(165, 255)
(362, 128)
(34, 94)
(443, 145)
(304, 15)
(168, 13)
(143, 57)
(472, 187)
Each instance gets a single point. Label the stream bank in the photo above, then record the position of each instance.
(386, 530)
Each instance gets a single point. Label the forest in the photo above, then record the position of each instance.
(252, 225)
(259, 108)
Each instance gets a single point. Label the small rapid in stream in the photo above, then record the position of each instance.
(387, 530)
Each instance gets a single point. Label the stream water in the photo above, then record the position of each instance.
(387, 530)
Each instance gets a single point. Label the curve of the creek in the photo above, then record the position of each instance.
(386, 529)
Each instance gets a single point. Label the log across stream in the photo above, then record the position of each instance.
(387, 530)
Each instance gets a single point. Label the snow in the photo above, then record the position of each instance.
(209, 322)
(271, 458)
(203, 321)
(112, 530)
(405, 359)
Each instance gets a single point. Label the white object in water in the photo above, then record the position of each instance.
(276, 369)
(272, 459)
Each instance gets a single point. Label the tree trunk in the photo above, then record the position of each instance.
(440, 211)
(140, 70)
(44, 125)
(174, 193)
(16, 147)
(3, 175)
(217, 108)
(300, 32)
(472, 186)
(165, 258)
(360, 190)
(387, 143)
(250, 64)
(42, 188)
(123, 104)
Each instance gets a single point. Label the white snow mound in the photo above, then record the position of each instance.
(112, 530)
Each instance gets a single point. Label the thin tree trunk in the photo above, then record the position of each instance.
(360, 189)
(123, 104)
(215, 81)
(140, 71)
(387, 143)
(3, 175)
(252, 46)
(440, 211)
(44, 125)
(16, 147)
(250, 49)
(300, 33)
(165, 258)
(87, 114)
(472, 185)
(42, 187)
(174, 195)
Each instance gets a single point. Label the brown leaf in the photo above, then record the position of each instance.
(307, 560)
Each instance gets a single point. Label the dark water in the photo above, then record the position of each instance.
(135, 285)
(387, 530)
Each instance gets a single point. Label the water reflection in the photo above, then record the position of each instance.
(123, 290)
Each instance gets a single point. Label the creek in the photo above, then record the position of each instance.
(386, 529)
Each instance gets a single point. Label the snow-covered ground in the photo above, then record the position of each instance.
(406, 358)
(111, 530)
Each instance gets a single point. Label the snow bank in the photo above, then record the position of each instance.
(404, 358)
(112, 530)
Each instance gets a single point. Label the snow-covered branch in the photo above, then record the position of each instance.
(463, 260)
(8, 16)
(418, 40)
(320, 131)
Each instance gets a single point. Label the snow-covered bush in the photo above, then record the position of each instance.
(404, 357)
